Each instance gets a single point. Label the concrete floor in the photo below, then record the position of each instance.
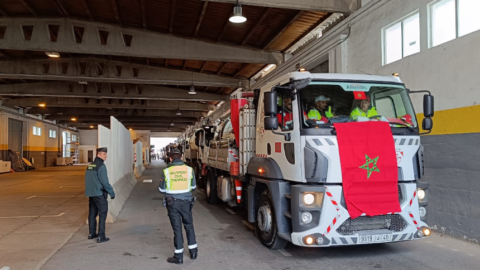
(142, 239)
(39, 211)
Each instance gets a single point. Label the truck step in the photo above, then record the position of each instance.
(287, 214)
(288, 195)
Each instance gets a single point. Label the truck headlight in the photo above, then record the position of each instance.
(308, 199)
(421, 194)
(422, 211)
(307, 217)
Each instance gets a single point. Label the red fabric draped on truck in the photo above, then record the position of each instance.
(369, 168)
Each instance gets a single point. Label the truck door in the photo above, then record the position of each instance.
(286, 153)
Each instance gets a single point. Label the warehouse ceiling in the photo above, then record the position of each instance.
(137, 59)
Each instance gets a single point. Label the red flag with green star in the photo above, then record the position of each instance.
(369, 168)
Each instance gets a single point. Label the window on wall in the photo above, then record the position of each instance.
(37, 131)
(401, 38)
(52, 133)
(74, 138)
(450, 19)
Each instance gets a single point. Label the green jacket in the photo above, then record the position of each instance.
(358, 112)
(317, 115)
(181, 196)
(96, 179)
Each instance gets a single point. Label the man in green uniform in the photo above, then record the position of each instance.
(177, 182)
(320, 111)
(96, 189)
(364, 109)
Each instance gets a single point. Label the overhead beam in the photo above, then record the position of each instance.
(280, 32)
(130, 125)
(334, 6)
(115, 11)
(257, 23)
(161, 134)
(87, 9)
(147, 44)
(123, 119)
(143, 7)
(107, 103)
(62, 89)
(61, 8)
(89, 70)
(172, 14)
(27, 5)
(113, 112)
(200, 19)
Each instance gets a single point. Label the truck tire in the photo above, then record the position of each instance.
(211, 188)
(266, 225)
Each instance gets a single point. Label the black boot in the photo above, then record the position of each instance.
(193, 253)
(102, 239)
(92, 236)
(175, 260)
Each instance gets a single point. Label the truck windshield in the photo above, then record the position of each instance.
(326, 103)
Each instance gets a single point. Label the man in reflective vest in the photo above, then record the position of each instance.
(320, 112)
(364, 109)
(177, 182)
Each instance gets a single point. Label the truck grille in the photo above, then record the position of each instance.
(394, 223)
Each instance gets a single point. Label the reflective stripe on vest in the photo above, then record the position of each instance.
(178, 179)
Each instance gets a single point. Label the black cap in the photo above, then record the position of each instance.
(175, 151)
(102, 149)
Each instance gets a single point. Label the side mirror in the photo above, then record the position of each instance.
(271, 123)
(270, 103)
(428, 108)
(427, 124)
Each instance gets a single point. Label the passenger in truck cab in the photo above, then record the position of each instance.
(286, 122)
(320, 112)
(363, 109)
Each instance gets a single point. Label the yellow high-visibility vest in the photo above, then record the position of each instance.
(178, 179)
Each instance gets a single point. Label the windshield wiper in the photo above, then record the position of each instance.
(405, 125)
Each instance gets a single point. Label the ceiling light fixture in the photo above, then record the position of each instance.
(179, 112)
(53, 54)
(73, 119)
(91, 126)
(172, 124)
(192, 88)
(237, 14)
(42, 105)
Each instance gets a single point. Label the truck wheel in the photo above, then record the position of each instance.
(211, 188)
(266, 225)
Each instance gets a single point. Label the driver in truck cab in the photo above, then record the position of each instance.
(287, 115)
(320, 112)
(364, 109)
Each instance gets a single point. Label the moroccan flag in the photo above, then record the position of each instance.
(369, 168)
(359, 95)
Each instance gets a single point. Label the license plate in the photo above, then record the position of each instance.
(374, 238)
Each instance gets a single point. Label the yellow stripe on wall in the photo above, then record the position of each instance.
(455, 121)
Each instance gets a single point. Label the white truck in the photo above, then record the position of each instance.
(289, 175)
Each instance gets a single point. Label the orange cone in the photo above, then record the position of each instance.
(238, 189)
